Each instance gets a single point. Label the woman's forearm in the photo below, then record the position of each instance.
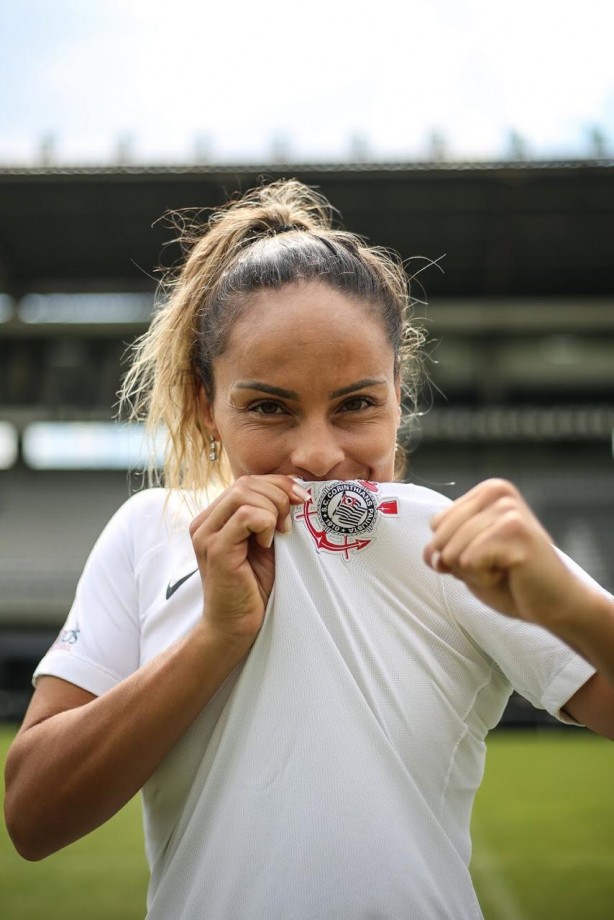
(69, 771)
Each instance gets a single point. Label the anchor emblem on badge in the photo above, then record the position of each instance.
(343, 516)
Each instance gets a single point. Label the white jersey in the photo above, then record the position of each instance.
(332, 775)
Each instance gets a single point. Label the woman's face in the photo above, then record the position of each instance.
(307, 387)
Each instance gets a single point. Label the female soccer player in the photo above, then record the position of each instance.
(302, 701)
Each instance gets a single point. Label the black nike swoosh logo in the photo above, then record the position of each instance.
(170, 590)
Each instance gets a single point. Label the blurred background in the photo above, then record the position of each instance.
(476, 140)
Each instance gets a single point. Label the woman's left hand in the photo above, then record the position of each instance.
(490, 539)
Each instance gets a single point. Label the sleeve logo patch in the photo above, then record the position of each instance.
(66, 639)
(342, 516)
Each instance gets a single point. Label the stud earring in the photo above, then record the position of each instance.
(213, 454)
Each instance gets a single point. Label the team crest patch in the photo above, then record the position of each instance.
(342, 516)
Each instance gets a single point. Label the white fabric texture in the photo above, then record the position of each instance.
(332, 776)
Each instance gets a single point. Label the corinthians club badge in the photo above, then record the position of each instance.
(342, 516)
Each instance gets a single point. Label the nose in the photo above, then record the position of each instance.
(317, 451)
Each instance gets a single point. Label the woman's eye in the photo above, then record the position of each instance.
(266, 407)
(355, 403)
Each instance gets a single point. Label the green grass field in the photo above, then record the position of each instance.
(543, 843)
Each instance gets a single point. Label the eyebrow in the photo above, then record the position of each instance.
(266, 388)
(292, 394)
(359, 385)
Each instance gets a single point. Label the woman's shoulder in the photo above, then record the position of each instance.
(420, 497)
(156, 514)
(147, 521)
(143, 507)
(424, 494)
(164, 504)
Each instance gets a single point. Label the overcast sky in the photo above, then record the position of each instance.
(237, 80)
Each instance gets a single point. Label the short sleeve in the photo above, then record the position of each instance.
(538, 665)
(99, 643)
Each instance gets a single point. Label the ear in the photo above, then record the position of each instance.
(206, 411)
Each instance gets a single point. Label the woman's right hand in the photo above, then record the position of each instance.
(233, 543)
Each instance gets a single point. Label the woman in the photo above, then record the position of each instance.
(302, 701)
(491, 540)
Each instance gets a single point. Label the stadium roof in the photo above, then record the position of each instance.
(503, 229)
